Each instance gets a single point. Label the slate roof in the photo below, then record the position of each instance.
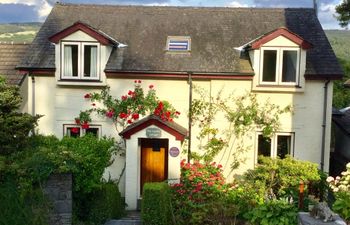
(10, 56)
(342, 120)
(214, 32)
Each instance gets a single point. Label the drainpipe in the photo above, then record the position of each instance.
(189, 116)
(33, 96)
(325, 103)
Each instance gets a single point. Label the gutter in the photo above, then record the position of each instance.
(325, 103)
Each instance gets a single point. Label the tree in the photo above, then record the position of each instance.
(14, 126)
(341, 94)
(343, 11)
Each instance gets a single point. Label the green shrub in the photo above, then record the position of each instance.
(280, 177)
(156, 209)
(106, 203)
(276, 211)
(15, 208)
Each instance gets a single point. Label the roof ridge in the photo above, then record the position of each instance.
(182, 7)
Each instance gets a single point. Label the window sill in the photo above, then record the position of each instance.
(93, 83)
(278, 88)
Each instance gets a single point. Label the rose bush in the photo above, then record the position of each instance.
(128, 108)
(201, 195)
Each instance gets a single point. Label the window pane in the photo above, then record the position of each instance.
(289, 71)
(264, 146)
(73, 131)
(70, 61)
(284, 145)
(90, 61)
(93, 131)
(269, 65)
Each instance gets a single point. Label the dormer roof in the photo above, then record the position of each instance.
(284, 32)
(99, 35)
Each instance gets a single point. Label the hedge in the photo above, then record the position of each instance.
(156, 207)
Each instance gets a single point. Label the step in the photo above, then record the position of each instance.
(132, 218)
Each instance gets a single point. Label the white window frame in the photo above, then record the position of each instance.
(80, 60)
(82, 131)
(274, 143)
(279, 66)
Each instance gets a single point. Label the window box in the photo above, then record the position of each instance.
(76, 131)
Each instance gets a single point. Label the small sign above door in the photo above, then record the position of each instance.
(153, 132)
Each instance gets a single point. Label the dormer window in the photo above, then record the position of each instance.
(280, 66)
(80, 60)
(178, 44)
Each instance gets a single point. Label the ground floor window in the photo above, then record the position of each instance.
(77, 131)
(280, 145)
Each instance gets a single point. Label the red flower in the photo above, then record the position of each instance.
(77, 120)
(129, 121)
(88, 95)
(124, 97)
(139, 81)
(135, 81)
(85, 125)
(110, 114)
(122, 115)
(177, 113)
(93, 104)
(75, 130)
(151, 86)
(219, 166)
(135, 116)
(131, 93)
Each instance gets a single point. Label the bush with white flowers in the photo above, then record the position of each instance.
(341, 189)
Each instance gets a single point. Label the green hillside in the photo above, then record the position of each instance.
(340, 41)
(18, 32)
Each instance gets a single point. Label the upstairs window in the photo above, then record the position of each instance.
(280, 66)
(178, 44)
(280, 145)
(80, 61)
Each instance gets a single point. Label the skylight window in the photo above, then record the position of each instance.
(179, 43)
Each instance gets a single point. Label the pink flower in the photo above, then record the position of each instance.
(219, 166)
(88, 95)
(110, 114)
(151, 86)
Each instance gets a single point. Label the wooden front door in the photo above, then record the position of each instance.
(154, 160)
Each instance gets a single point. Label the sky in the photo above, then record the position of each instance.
(14, 11)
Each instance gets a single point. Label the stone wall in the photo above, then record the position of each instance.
(58, 188)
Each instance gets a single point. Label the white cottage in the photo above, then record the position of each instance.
(282, 55)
